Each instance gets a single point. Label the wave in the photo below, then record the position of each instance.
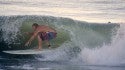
(78, 41)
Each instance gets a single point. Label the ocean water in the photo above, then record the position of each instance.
(79, 45)
(86, 10)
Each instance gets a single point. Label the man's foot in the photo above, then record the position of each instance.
(38, 49)
(49, 46)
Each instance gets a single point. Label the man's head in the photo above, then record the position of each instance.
(34, 26)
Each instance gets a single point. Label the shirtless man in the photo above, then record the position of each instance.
(43, 33)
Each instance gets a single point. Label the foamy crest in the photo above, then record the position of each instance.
(10, 29)
(113, 54)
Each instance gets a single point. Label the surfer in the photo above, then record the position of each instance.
(43, 33)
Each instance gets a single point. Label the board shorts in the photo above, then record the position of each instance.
(47, 35)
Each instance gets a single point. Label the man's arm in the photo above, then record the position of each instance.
(31, 38)
(29, 33)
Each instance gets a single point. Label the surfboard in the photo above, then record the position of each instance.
(31, 51)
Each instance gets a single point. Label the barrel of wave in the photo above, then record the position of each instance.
(62, 36)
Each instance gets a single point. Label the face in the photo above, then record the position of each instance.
(34, 28)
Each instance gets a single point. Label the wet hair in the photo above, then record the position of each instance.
(35, 24)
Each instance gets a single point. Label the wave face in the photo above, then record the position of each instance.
(78, 42)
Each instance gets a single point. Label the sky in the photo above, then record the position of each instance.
(100, 11)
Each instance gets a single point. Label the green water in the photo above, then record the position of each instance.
(62, 36)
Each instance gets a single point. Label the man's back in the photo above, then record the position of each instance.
(43, 28)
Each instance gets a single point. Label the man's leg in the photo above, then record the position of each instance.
(39, 43)
(47, 42)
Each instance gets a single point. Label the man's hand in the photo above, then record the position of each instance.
(31, 38)
(28, 43)
(27, 33)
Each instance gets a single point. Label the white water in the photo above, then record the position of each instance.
(113, 54)
(11, 29)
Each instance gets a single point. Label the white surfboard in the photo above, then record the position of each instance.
(31, 51)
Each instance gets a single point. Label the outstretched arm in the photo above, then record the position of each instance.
(31, 38)
(29, 33)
